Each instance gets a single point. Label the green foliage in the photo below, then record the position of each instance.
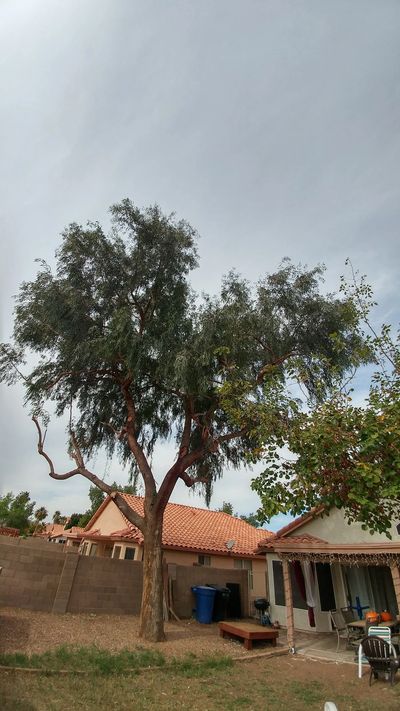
(16, 511)
(119, 314)
(73, 520)
(341, 454)
(58, 518)
(226, 508)
(250, 518)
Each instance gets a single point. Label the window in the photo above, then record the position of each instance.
(298, 601)
(93, 550)
(245, 564)
(204, 559)
(84, 548)
(129, 553)
(116, 552)
(325, 585)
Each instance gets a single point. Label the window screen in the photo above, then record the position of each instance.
(325, 586)
(298, 601)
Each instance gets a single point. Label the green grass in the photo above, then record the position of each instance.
(90, 659)
(147, 680)
(100, 661)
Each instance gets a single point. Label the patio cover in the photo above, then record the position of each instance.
(306, 547)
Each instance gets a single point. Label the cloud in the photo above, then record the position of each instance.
(272, 127)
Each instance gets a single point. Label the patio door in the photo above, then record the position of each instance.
(358, 584)
(373, 585)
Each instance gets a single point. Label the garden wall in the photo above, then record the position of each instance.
(38, 575)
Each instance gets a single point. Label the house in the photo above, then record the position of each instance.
(319, 562)
(191, 536)
(57, 533)
(8, 531)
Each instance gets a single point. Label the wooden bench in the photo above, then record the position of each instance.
(248, 631)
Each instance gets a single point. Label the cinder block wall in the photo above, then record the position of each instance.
(188, 576)
(38, 575)
(31, 573)
(107, 585)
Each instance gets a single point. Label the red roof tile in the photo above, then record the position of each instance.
(192, 529)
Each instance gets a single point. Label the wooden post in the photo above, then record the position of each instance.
(396, 582)
(289, 604)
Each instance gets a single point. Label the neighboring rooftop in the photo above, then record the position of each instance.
(192, 529)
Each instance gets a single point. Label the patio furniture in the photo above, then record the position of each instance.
(381, 657)
(383, 632)
(343, 631)
(248, 631)
(348, 614)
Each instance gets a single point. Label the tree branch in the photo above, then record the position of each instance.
(134, 446)
(80, 469)
(99, 372)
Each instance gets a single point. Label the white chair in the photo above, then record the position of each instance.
(330, 706)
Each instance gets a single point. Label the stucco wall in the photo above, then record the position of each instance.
(109, 520)
(335, 529)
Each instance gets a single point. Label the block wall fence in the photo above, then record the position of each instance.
(38, 575)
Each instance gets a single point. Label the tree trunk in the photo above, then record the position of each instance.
(151, 614)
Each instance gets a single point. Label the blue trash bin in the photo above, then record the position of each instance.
(204, 603)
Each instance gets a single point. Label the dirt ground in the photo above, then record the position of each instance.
(286, 681)
(34, 632)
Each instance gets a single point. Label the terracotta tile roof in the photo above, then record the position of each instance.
(73, 532)
(8, 531)
(192, 529)
(51, 529)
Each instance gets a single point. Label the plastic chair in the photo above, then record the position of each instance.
(381, 657)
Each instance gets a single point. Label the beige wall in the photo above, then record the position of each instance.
(335, 529)
(109, 520)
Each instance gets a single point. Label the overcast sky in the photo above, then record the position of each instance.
(273, 126)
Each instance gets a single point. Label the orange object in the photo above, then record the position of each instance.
(372, 617)
(386, 616)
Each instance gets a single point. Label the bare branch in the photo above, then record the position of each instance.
(119, 435)
(191, 481)
(77, 455)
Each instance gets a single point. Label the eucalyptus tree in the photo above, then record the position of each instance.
(135, 358)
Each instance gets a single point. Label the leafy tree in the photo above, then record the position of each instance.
(133, 357)
(252, 519)
(342, 454)
(16, 511)
(73, 520)
(41, 514)
(249, 518)
(226, 508)
(58, 518)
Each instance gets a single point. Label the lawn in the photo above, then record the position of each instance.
(205, 683)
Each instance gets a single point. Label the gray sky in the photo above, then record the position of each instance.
(272, 126)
